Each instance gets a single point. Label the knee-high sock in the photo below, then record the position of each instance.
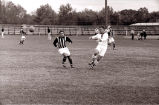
(97, 60)
(70, 60)
(94, 57)
(113, 45)
(64, 60)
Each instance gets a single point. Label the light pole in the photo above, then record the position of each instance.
(106, 13)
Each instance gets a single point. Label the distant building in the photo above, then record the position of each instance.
(145, 24)
(151, 28)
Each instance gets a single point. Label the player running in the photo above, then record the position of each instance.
(60, 42)
(111, 36)
(100, 50)
(22, 39)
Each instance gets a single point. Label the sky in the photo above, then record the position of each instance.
(79, 5)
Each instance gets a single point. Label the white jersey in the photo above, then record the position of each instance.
(102, 39)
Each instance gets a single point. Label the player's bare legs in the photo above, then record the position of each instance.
(95, 56)
(113, 45)
(97, 60)
(64, 60)
(65, 56)
(70, 61)
(21, 42)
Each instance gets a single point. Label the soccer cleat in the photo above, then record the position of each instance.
(64, 66)
(92, 62)
(72, 66)
(91, 65)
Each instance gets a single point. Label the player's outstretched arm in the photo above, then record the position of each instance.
(95, 37)
(68, 40)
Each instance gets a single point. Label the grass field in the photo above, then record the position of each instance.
(33, 74)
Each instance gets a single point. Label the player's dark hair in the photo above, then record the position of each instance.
(60, 31)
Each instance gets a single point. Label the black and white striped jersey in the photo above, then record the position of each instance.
(60, 42)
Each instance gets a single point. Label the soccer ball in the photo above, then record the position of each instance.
(31, 28)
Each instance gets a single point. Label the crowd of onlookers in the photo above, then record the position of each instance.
(140, 35)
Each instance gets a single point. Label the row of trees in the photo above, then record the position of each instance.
(45, 15)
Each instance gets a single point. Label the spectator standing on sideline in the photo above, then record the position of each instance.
(138, 36)
(132, 34)
(144, 34)
(141, 34)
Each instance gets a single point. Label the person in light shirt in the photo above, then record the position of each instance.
(100, 50)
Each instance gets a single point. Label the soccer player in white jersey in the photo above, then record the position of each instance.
(111, 36)
(100, 50)
(60, 43)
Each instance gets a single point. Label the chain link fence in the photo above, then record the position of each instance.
(75, 30)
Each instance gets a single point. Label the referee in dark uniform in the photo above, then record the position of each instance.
(60, 42)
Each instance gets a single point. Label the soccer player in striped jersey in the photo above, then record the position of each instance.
(60, 42)
(111, 36)
(100, 50)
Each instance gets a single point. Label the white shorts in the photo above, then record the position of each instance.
(64, 51)
(101, 49)
(111, 39)
(2, 34)
(49, 36)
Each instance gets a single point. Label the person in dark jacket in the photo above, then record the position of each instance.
(144, 34)
(141, 34)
